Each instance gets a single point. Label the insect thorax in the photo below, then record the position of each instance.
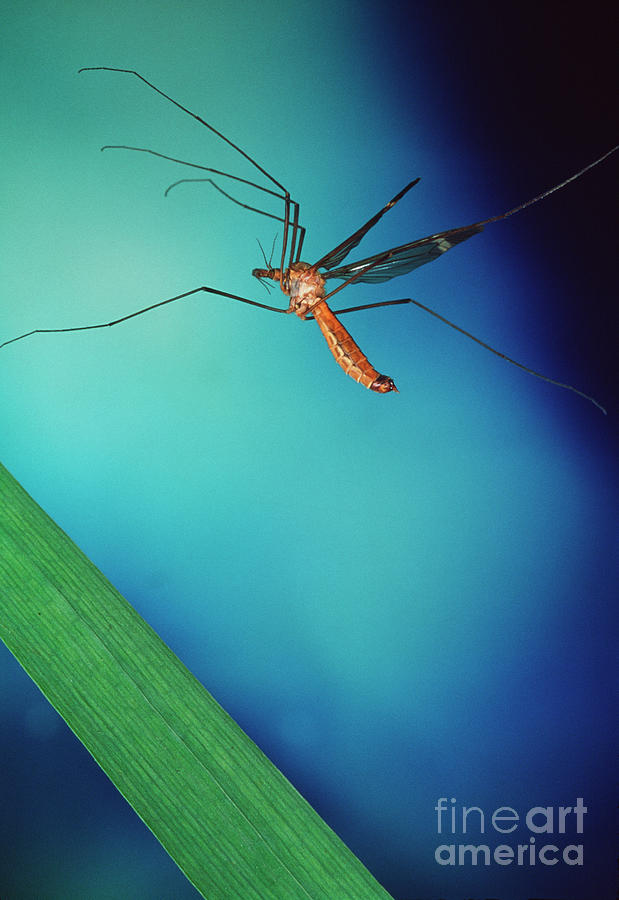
(305, 286)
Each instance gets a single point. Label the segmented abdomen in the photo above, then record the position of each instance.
(347, 353)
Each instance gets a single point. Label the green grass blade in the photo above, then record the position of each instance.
(225, 814)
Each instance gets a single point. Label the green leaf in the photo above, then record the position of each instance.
(225, 814)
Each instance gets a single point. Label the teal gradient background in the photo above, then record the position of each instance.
(399, 597)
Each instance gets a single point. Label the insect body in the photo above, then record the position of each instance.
(306, 288)
(305, 284)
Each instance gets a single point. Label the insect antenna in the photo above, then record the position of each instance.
(265, 284)
(268, 264)
(264, 256)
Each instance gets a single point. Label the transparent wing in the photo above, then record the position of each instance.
(400, 260)
(339, 253)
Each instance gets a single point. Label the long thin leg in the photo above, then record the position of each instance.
(255, 209)
(183, 162)
(189, 113)
(282, 264)
(139, 312)
(568, 387)
(301, 239)
(551, 190)
(215, 131)
(295, 228)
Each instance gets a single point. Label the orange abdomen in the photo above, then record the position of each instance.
(347, 353)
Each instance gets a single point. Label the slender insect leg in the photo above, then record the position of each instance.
(339, 312)
(192, 165)
(189, 113)
(255, 209)
(568, 387)
(285, 197)
(146, 309)
(551, 190)
(285, 234)
(301, 239)
(295, 228)
(215, 131)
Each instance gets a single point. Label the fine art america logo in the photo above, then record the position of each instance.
(546, 825)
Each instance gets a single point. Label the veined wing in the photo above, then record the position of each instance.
(339, 253)
(400, 260)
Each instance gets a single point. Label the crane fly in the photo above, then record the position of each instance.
(305, 285)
